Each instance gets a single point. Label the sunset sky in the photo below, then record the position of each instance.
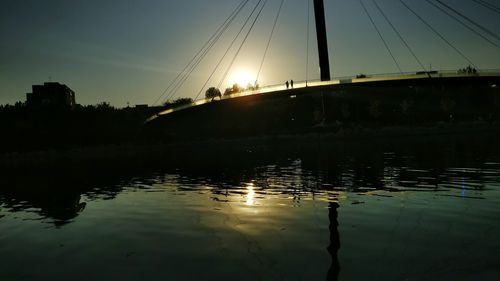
(128, 51)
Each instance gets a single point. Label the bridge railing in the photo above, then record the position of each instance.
(362, 78)
(339, 80)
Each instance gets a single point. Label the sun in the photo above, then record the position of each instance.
(242, 77)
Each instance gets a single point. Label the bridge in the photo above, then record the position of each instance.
(332, 83)
(424, 80)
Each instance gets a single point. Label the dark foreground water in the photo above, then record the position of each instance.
(313, 210)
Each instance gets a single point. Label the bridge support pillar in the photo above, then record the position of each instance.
(324, 62)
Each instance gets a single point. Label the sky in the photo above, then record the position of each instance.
(127, 52)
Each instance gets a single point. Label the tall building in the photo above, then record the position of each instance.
(51, 94)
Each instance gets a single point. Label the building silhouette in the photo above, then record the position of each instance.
(51, 94)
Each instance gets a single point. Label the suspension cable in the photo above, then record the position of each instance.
(399, 35)
(205, 53)
(269, 41)
(491, 33)
(197, 55)
(438, 34)
(380, 35)
(195, 65)
(241, 45)
(228, 49)
(488, 5)
(463, 23)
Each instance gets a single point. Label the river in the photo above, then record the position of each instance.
(409, 209)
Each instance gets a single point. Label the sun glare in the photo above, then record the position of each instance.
(242, 77)
(250, 195)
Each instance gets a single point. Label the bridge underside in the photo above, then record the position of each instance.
(331, 107)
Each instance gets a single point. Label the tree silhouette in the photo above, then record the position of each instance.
(178, 102)
(212, 93)
(233, 90)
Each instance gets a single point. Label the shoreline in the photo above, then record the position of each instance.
(157, 150)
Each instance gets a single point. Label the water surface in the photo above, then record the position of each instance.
(378, 210)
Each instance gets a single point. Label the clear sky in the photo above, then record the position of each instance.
(128, 51)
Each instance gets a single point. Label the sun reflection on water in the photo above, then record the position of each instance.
(250, 195)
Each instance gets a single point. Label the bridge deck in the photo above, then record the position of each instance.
(338, 81)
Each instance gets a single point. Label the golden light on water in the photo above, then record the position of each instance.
(250, 195)
(242, 77)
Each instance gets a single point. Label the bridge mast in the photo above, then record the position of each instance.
(324, 63)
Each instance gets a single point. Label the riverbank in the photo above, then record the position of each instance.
(149, 152)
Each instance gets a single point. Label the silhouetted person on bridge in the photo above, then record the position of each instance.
(291, 83)
(287, 84)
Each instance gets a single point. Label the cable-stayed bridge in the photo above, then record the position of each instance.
(331, 101)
